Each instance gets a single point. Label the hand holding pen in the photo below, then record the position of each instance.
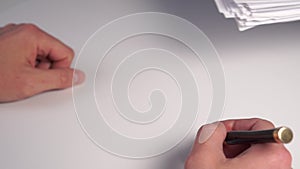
(210, 151)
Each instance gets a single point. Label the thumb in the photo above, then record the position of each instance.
(50, 79)
(208, 147)
(210, 140)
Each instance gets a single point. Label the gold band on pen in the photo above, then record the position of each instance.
(283, 135)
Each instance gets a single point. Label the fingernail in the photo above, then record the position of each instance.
(207, 131)
(78, 77)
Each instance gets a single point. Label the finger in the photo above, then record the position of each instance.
(248, 124)
(45, 80)
(49, 47)
(43, 65)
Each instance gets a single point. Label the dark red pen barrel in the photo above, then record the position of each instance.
(250, 137)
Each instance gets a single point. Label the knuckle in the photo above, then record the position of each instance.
(29, 27)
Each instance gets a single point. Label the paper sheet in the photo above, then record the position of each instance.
(251, 13)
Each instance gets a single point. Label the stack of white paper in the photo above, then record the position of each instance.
(250, 13)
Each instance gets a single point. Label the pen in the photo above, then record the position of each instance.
(276, 135)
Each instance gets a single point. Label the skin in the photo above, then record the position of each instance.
(32, 62)
(214, 154)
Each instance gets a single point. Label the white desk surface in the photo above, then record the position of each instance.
(261, 69)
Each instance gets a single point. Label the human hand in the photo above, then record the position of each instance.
(32, 61)
(210, 152)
